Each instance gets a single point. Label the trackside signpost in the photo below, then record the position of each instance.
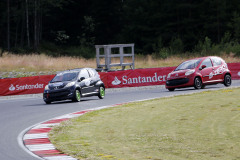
(116, 79)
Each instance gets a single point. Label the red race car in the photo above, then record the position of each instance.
(198, 73)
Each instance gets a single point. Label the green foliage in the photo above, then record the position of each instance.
(61, 37)
(203, 47)
(235, 25)
(162, 53)
(154, 26)
(81, 51)
(176, 46)
(75, 51)
(1, 52)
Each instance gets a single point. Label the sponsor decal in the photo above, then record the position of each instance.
(87, 82)
(116, 81)
(12, 88)
(220, 70)
(25, 87)
(211, 75)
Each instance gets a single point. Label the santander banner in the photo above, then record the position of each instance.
(135, 78)
(24, 85)
(116, 79)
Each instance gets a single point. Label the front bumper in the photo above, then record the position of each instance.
(176, 82)
(56, 95)
(179, 83)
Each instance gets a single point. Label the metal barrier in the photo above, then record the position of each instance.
(108, 54)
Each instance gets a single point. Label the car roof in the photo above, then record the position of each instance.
(74, 70)
(204, 57)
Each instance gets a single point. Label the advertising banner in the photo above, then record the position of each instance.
(24, 85)
(235, 70)
(136, 78)
(114, 79)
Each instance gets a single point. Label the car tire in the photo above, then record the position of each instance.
(76, 96)
(48, 102)
(171, 89)
(227, 80)
(198, 83)
(101, 92)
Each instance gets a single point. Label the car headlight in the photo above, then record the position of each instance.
(46, 87)
(169, 75)
(189, 72)
(70, 84)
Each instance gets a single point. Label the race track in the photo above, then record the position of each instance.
(19, 113)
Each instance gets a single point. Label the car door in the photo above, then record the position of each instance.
(85, 81)
(207, 72)
(93, 80)
(218, 68)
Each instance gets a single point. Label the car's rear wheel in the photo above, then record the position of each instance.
(171, 89)
(198, 83)
(227, 80)
(101, 92)
(77, 96)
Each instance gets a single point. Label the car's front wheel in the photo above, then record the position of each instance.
(227, 80)
(171, 89)
(48, 102)
(77, 96)
(198, 83)
(101, 92)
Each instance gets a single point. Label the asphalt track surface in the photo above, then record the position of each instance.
(20, 112)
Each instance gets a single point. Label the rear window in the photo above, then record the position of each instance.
(91, 72)
(207, 62)
(217, 61)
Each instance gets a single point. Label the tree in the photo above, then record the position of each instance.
(8, 25)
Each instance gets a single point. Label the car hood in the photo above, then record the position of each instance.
(57, 85)
(177, 74)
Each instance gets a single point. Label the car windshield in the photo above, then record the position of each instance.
(67, 76)
(188, 64)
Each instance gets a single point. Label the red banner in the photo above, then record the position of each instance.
(24, 85)
(136, 78)
(116, 79)
(235, 70)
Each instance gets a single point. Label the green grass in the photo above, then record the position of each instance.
(202, 126)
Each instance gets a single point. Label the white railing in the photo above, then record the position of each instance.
(105, 51)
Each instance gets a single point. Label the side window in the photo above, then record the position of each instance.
(84, 73)
(216, 61)
(207, 62)
(91, 72)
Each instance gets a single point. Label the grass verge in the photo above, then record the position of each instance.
(40, 64)
(199, 126)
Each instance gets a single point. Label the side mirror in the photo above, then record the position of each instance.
(202, 67)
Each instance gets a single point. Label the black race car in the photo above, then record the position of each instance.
(74, 84)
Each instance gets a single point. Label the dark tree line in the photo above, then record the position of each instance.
(151, 24)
